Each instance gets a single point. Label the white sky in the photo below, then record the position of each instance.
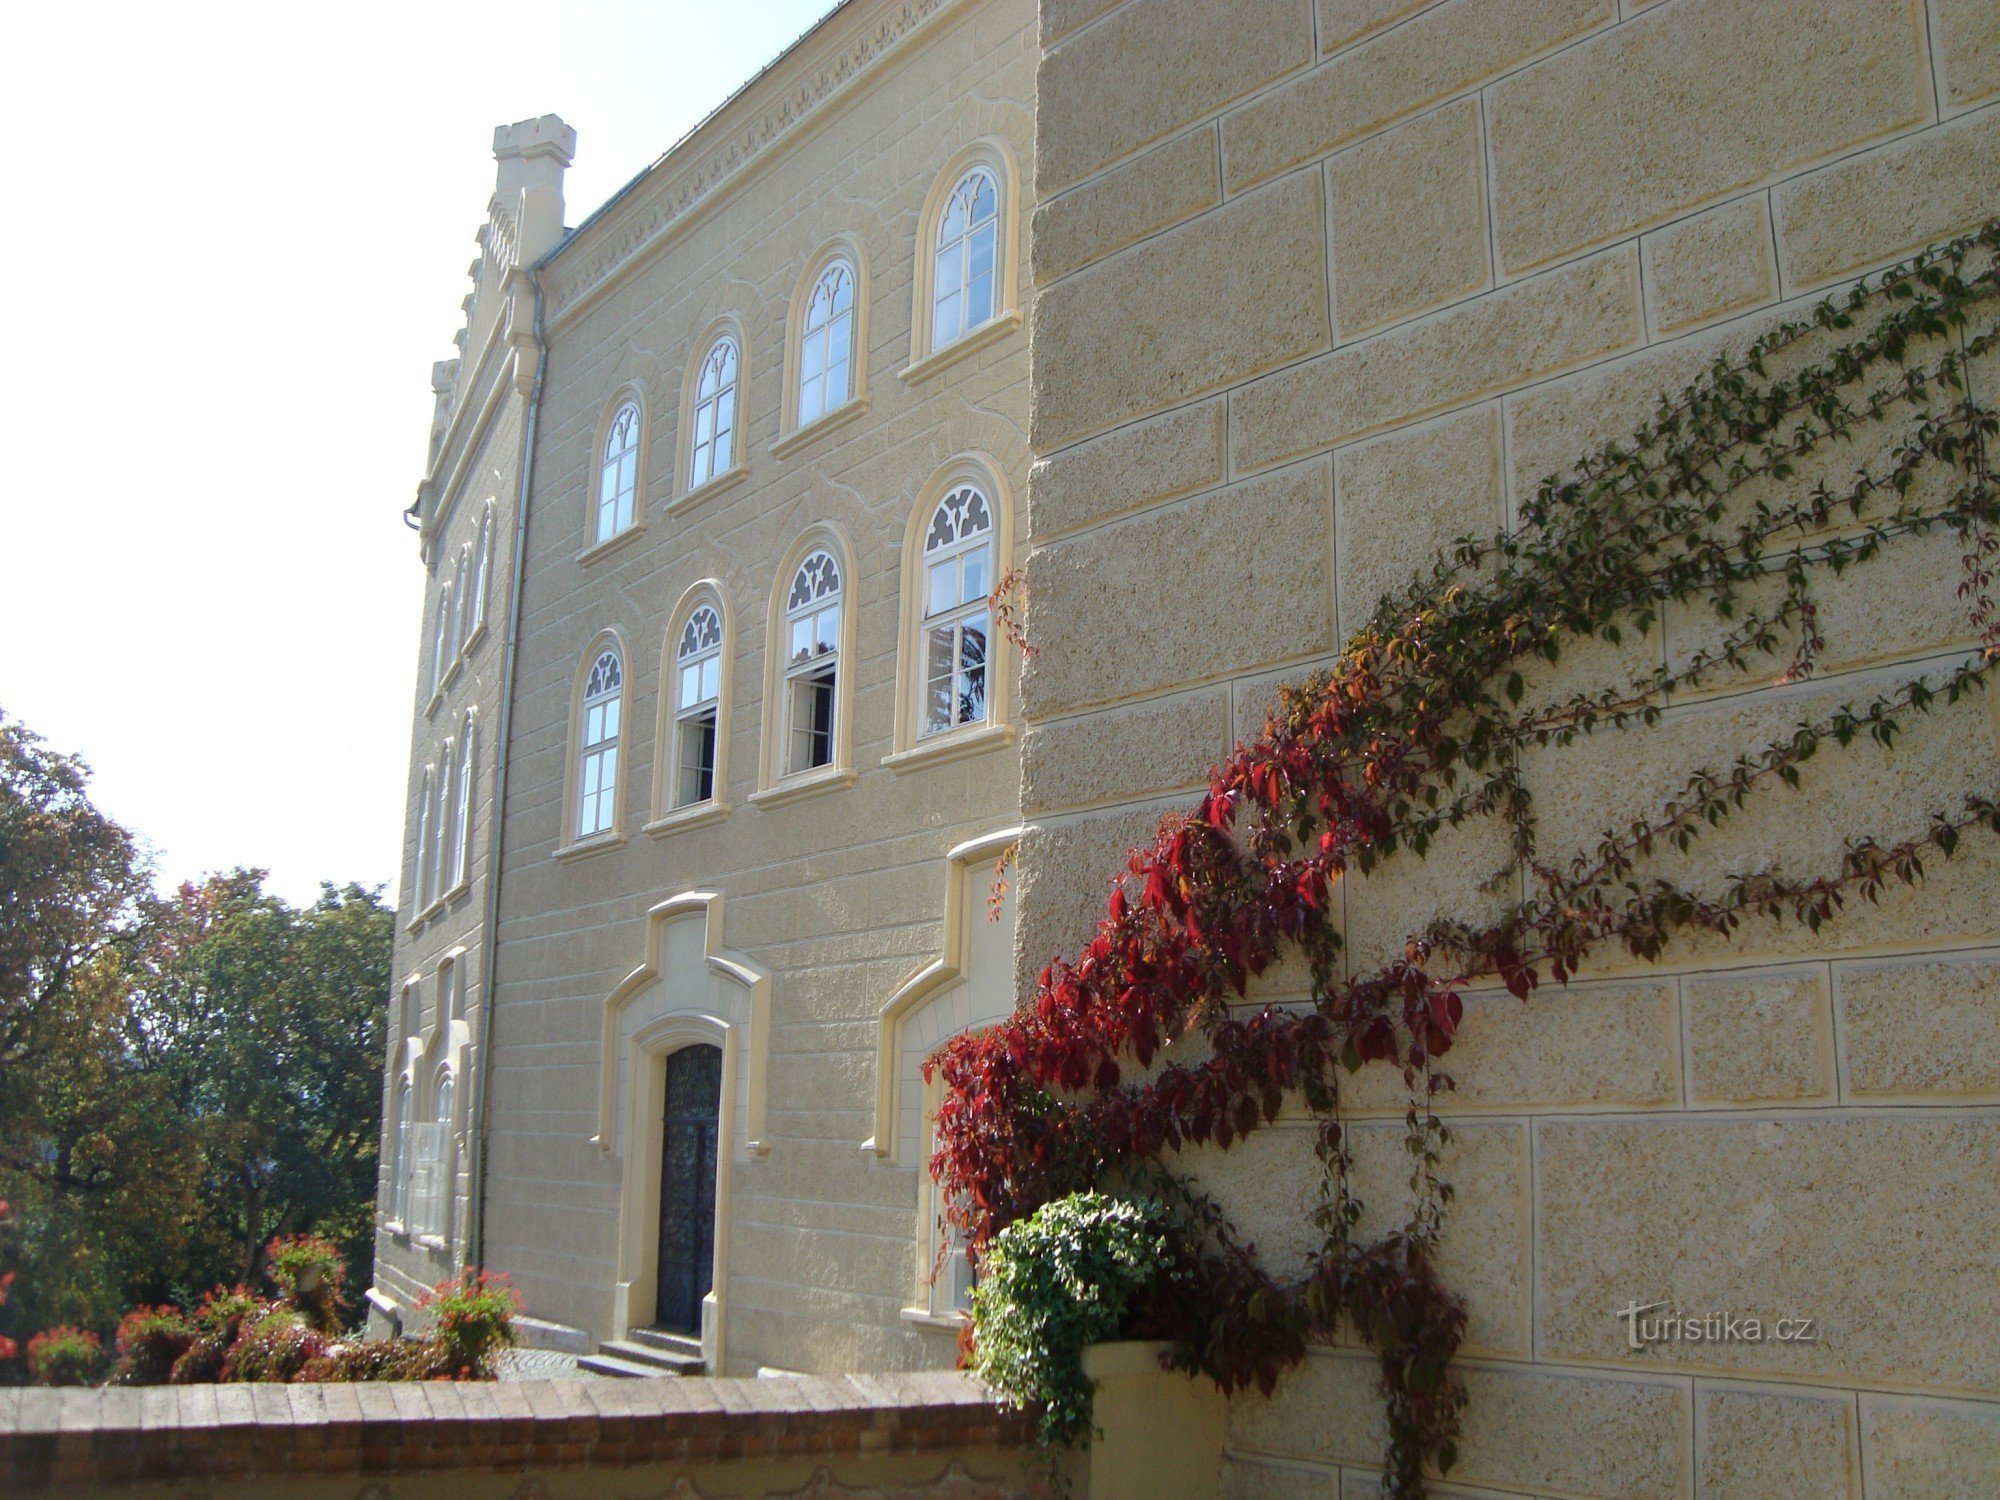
(236, 238)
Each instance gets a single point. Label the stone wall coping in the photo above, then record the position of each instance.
(60, 1439)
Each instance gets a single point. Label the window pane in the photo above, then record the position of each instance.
(720, 462)
(976, 585)
(938, 677)
(945, 326)
(611, 720)
(810, 404)
(972, 670)
(704, 424)
(697, 761)
(979, 300)
(690, 684)
(981, 248)
(801, 639)
(811, 708)
(943, 587)
(826, 628)
(812, 358)
(711, 677)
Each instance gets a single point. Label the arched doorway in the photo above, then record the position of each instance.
(687, 1186)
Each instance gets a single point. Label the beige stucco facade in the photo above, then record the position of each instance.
(1312, 287)
(818, 924)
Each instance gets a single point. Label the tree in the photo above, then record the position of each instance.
(98, 1173)
(182, 1079)
(265, 1024)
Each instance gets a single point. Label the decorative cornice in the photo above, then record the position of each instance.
(693, 172)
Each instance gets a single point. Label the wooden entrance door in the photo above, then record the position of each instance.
(687, 1186)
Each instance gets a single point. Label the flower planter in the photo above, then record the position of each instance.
(1159, 1431)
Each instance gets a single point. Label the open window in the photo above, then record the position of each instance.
(812, 663)
(697, 706)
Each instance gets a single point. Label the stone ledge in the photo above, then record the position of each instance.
(66, 1439)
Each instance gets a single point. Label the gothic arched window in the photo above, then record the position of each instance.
(957, 577)
(826, 346)
(713, 442)
(812, 662)
(597, 763)
(965, 265)
(618, 472)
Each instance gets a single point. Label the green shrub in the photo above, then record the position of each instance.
(150, 1340)
(64, 1356)
(473, 1319)
(1050, 1285)
(217, 1322)
(273, 1347)
(309, 1273)
(379, 1359)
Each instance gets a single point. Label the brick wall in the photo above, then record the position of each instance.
(1322, 286)
(869, 1437)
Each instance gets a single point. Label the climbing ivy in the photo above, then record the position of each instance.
(1727, 499)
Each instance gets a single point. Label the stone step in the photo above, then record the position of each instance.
(668, 1361)
(622, 1369)
(667, 1343)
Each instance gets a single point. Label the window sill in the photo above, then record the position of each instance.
(923, 1317)
(437, 697)
(472, 641)
(436, 906)
(456, 891)
(708, 489)
(433, 1242)
(840, 416)
(396, 1229)
(805, 784)
(597, 843)
(954, 745)
(694, 815)
(988, 333)
(605, 548)
(451, 672)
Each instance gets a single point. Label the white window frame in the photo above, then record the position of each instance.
(816, 608)
(698, 653)
(420, 882)
(956, 558)
(939, 339)
(718, 451)
(948, 1277)
(827, 342)
(399, 1185)
(461, 836)
(482, 576)
(459, 576)
(440, 834)
(615, 495)
(600, 727)
(438, 641)
(954, 257)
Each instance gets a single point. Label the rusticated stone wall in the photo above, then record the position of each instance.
(1320, 287)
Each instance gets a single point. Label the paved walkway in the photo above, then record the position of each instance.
(538, 1364)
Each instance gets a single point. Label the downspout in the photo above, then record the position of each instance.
(475, 1246)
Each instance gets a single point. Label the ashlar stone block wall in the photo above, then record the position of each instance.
(1322, 284)
(838, 896)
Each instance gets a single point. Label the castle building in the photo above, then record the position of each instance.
(733, 794)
